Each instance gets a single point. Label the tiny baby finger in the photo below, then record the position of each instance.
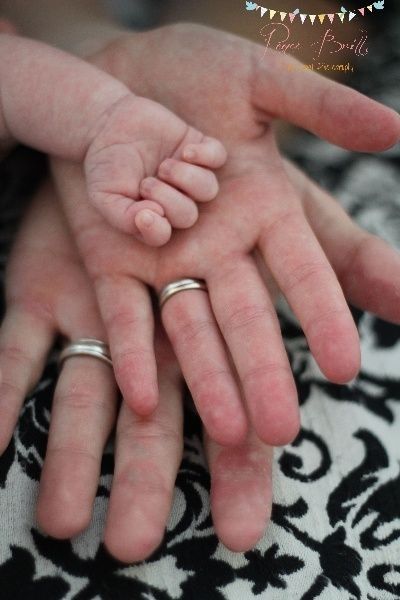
(209, 153)
(199, 183)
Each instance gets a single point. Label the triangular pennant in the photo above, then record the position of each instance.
(361, 10)
(370, 7)
(351, 15)
(272, 13)
(341, 16)
(331, 17)
(263, 11)
(312, 18)
(291, 17)
(283, 16)
(321, 18)
(303, 18)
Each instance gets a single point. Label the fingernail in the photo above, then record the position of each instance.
(165, 166)
(189, 153)
(148, 183)
(146, 218)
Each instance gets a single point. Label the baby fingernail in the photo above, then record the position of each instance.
(146, 218)
(165, 166)
(148, 184)
(189, 153)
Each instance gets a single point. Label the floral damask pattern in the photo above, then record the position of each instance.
(335, 530)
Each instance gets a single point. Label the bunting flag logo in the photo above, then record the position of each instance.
(343, 16)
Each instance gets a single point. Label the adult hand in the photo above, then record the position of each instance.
(49, 293)
(259, 208)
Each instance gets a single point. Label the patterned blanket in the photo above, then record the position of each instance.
(335, 530)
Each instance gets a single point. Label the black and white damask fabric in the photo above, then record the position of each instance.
(335, 531)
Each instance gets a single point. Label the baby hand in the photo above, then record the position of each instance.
(146, 168)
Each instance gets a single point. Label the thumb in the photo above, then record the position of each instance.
(286, 89)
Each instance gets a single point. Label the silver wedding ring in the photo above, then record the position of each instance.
(181, 285)
(86, 347)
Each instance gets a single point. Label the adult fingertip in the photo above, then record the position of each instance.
(343, 373)
(140, 394)
(236, 537)
(136, 548)
(230, 432)
(341, 358)
(282, 434)
(63, 524)
(386, 128)
(378, 128)
(144, 406)
(240, 526)
(280, 425)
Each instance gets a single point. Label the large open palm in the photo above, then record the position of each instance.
(233, 89)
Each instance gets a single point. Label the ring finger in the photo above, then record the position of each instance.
(82, 417)
(83, 413)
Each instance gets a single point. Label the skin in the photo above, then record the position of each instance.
(145, 168)
(366, 267)
(258, 209)
(49, 292)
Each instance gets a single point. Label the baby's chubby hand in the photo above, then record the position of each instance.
(146, 169)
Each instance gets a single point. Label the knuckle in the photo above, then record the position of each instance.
(150, 480)
(207, 379)
(306, 273)
(124, 319)
(244, 317)
(325, 317)
(188, 332)
(125, 361)
(71, 449)
(15, 355)
(148, 433)
(38, 307)
(279, 220)
(11, 388)
(263, 371)
(81, 398)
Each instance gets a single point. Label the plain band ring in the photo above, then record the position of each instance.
(181, 285)
(86, 347)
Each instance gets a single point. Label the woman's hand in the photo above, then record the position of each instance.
(259, 207)
(49, 293)
(314, 250)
